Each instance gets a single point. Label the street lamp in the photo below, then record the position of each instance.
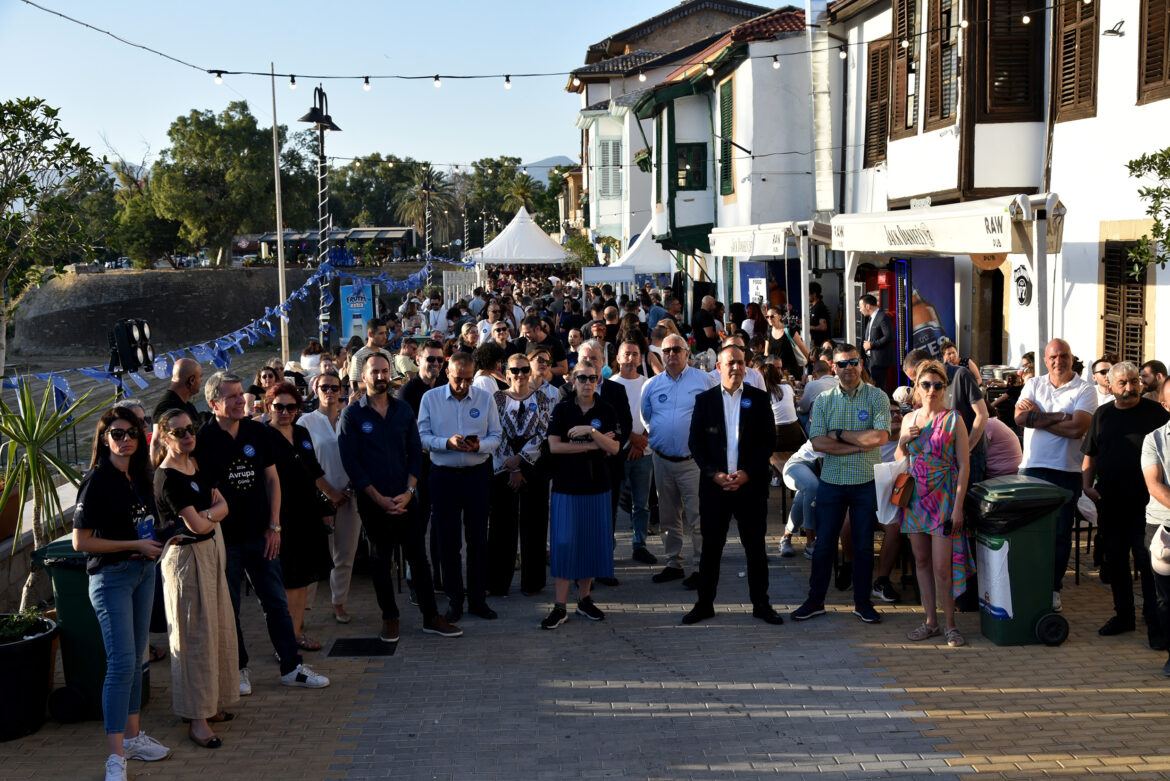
(319, 115)
(428, 188)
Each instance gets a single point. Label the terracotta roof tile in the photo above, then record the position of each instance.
(788, 19)
(618, 65)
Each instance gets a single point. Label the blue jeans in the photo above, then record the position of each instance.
(804, 506)
(1069, 481)
(122, 595)
(637, 474)
(833, 501)
(268, 583)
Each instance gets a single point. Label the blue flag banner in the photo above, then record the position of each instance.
(138, 379)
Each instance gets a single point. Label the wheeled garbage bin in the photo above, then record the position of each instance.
(83, 652)
(1014, 518)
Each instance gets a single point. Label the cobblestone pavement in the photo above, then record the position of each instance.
(639, 696)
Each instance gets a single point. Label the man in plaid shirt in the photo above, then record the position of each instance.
(849, 424)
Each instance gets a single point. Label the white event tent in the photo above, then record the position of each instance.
(522, 241)
(646, 256)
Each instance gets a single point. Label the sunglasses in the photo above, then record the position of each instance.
(586, 378)
(849, 362)
(1101, 371)
(181, 433)
(927, 385)
(520, 369)
(290, 408)
(500, 330)
(673, 349)
(434, 359)
(329, 388)
(461, 380)
(118, 434)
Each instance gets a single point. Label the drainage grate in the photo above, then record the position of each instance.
(361, 646)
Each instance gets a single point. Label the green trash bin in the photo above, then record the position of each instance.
(1014, 518)
(83, 652)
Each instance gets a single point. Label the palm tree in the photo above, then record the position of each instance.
(428, 190)
(521, 193)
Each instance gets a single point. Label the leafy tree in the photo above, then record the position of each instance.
(43, 175)
(367, 190)
(547, 213)
(581, 250)
(1151, 248)
(143, 235)
(521, 193)
(216, 179)
(428, 186)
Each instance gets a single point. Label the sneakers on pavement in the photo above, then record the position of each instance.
(786, 549)
(868, 614)
(644, 556)
(245, 682)
(809, 550)
(556, 617)
(145, 748)
(389, 633)
(591, 611)
(807, 611)
(884, 590)
(437, 625)
(1056, 606)
(304, 677)
(116, 766)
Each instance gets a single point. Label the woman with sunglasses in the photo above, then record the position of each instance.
(322, 427)
(114, 524)
(782, 343)
(266, 378)
(581, 433)
(519, 491)
(934, 438)
(200, 620)
(304, 549)
(540, 359)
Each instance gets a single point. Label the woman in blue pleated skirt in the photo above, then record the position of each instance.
(581, 433)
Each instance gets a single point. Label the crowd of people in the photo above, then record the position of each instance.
(501, 434)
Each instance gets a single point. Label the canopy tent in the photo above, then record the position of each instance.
(646, 256)
(522, 241)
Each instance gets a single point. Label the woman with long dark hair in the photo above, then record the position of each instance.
(783, 342)
(114, 523)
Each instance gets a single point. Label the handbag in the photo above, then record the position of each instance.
(902, 491)
(800, 357)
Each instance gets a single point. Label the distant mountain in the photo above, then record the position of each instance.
(538, 169)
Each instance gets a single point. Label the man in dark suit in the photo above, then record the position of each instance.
(879, 343)
(732, 435)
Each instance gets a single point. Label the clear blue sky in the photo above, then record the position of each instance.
(109, 92)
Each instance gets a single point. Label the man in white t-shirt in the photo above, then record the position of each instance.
(1156, 469)
(639, 466)
(1055, 410)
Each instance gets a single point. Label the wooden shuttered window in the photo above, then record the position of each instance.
(904, 64)
(1010, 70)
(1153, 54)
(609, 169)
(942, 63)
(726, 129)
(877, 101)
(1075, 61)
(1124, 318)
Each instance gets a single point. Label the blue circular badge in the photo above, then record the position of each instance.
(532, 406)
(195, 486)
(862, 414)
(596, 423)
(474, 412)
(661, 398)
(367, 427)
(306, 444)
(745, 403)
(249, 451)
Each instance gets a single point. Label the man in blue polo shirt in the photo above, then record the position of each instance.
(849, 424)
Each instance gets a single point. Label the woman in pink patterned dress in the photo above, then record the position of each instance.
(935, 439)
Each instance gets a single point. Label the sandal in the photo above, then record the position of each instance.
(954, 639)
(305, 643)
(923, 632)
(340, 616)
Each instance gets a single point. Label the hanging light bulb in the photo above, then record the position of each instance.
(842, 54)
(641, 76)
(438, 81)
(963, 24)
(905, 43)
(366, 83)
(710, 71)
(292, 82)
(507, 82)
(576, 82)
(1026, 19)
(524, 170)
(391, 163)
(775, 62)
(218, 77)
(357, 163)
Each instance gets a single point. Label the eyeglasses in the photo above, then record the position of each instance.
(1101, 371)
(118, 434)
(927, 385)
(434, 359)
(181, 433)
(586, 378)
(278, 407)
(673, 349)
(503, 330)
(520, 370)
(329, 388)
(848, 362)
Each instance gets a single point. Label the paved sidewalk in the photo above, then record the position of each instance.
(639, 696)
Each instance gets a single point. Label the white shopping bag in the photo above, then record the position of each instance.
(991, 555)
(884, 475)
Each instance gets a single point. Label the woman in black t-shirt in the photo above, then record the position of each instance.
(114, 523)
(200, 620)
(581, 434)
(304, 535)
(782, 343)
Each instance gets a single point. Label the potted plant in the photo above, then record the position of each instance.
(26, 648)
(29, 434)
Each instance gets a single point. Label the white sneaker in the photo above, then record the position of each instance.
(808, 550)
(245, 683)
(145, 748)
(115, 768)
(786, 549)
(1056, 606)
(304, 677)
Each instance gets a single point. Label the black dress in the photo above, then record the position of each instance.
(304, 538)
(782, 348)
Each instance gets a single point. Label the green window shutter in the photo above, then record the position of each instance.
(726, 128)
(658, 158)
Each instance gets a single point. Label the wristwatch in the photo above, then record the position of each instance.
(274, 527)
(209, 516)
(413, 490)
(840, 435)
